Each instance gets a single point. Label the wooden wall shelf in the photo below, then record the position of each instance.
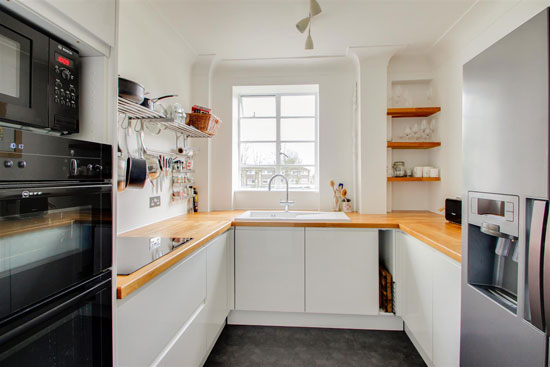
(413, 144)
(409, 179)
(413, 111)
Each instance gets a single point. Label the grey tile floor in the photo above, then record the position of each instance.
(284, 346)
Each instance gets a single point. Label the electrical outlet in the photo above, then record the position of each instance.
(154, 201)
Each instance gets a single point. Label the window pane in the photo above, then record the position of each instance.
(258, 129)
(258, 106)
(257, 154)
(256, 177)
(298, 153)
(298, 105)
(300, 177)
(298, 129)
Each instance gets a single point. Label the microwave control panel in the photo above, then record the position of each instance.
(64, 87)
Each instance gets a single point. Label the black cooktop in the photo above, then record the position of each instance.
(134, 253)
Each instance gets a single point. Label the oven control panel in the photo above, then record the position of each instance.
(29, 156)
(64, 87)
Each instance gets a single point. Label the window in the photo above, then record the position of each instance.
(277, 133)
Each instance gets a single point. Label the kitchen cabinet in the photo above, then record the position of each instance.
(217, 286)
(418, 286)
(446, 311)
(269, 269)
(148, 319)
(175, 319)
(429, 285)
(98, 17)
(341, 271)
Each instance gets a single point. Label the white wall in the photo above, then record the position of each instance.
(484, 25)
(336, 79)
(152, 54)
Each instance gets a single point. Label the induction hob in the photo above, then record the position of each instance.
(133, 253)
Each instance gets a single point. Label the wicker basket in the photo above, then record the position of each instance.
(205, 122)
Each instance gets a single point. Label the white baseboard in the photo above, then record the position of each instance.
(301, 319)
(420, 350)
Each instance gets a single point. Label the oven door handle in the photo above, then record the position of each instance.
(23, 328)
(38, 192)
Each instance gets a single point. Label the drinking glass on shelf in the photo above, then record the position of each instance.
(424, 129)
(415, 131)
(408, 133)
(433, 126)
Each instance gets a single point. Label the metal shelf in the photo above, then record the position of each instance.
(144, 114)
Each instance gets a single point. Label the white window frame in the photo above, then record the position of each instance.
(278, 140)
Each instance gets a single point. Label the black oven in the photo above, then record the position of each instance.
(55, 251)
(39, 78)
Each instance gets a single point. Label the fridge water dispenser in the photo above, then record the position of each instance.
(493, 231)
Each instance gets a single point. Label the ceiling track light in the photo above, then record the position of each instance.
(305, 23)
(309, 40)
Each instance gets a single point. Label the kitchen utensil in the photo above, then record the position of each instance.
(408, 171)
(150, 102)
(121, 171)
(417, 172)
(130, 90)
(136, 169)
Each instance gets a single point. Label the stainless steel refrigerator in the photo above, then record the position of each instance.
(506, 235)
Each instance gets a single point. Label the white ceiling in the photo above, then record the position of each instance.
(244, 29)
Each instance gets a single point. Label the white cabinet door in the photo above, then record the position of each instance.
(342, 271)
(217, 308)
(446, 311)
(418, 284)
(148, 319)
(269, 269)
(189, 349)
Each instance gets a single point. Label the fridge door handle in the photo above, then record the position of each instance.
(546, 276)
(536, 243)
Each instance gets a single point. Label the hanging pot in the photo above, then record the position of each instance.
(136, 172)
(130, 90)
(150, 102)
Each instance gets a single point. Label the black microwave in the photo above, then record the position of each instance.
(39, 78)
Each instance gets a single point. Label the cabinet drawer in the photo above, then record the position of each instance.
(189, 349)
(150, 317)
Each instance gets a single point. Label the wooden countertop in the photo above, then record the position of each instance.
(428, 227)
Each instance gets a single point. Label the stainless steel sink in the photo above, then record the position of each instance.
(292, 216)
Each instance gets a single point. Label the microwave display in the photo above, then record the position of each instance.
(64, 60)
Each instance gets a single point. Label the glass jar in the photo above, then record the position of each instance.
(399, 169)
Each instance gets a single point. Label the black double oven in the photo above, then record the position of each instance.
(55, 251)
